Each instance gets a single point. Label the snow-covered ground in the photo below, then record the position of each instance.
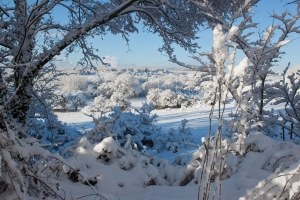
(197, 117)
(130, 176)
(198, 122)
(246, 171)
(167, 118)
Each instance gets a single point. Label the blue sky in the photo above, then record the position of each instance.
(142, 49)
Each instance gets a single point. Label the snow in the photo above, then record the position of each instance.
(198, 118)
(113, 158)
(130, 183)
(129, 175)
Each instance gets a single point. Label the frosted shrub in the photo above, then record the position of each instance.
(107, 149)
(100, 104)
(137, 123)
(103, 105)
(51, 133)
(91, 89)
(102, 157)
(106, 89)
(125, 85)
(286, 91)
(168, 81)
(73, 83)
(71, 101)
(120, 100)
(206, 93)
(174, 139)
(166, 99)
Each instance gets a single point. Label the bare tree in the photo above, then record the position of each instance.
(31, 36)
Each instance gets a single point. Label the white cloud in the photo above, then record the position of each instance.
(63, 62)
(112, 60)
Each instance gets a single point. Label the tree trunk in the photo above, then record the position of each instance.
(18, 105)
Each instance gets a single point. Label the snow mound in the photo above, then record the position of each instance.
(270, 167)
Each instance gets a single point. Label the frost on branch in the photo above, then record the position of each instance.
(286, 91)
(138, 123)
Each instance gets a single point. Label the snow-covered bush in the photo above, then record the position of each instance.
(119, 100)
(140, 125)
(125, 85)
(167, 99)
(287, 92)
(107, 149)
(27, 168)
(74, 83)
(91, 90)
(281, 160)
(101, 104)
(71, 101)
(51, 133)
(174, 139)
(206, 94)
(108, 158)
(106, 89)
(175, 82)
(137, 123)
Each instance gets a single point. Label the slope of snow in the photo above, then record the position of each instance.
(267, 160)
(260, 164)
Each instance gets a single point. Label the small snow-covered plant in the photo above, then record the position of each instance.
(71, 101)
(44, 92)
(27, 170)
(227, 79)
(161, 99)
(284, 185)
(94, 159)
(107, 149)
(127, 85)
(105, 89)
(104, 105)
(205, 92)
(219, 169)
(78, 101)
(51, 133)
(124, 84)
(175, 82)
(282, 159)
(174, 139)
(91, 90)
(138, 123)
(287, 91)
(101, 104)
(120, 100)
(74, 83)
